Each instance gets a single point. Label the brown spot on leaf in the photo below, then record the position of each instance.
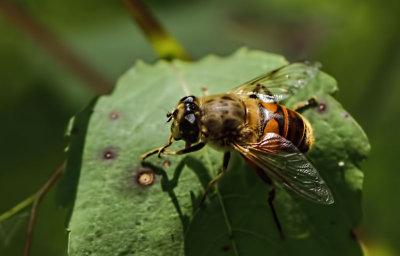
(114, 115)
(145, 177)
(108, 155)
(166, 163)
(321, 107)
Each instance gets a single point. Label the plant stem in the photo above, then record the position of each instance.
(163, 43)
(17, 208)
(38, 197)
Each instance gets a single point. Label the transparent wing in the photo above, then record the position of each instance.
(280, 83)
(280, 159)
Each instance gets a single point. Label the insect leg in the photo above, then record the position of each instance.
(303, 105)
(271, 198)
(225, 163)
(157, 150)
(196, 147)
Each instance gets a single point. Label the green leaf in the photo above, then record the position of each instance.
(76, 132)
(114, 215)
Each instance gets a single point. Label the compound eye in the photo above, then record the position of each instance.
(189, 128)
(183, 99)
(188, 99)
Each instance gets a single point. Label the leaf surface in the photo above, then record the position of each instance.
(114, 215)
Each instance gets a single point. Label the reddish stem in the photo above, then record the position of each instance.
(27, 24)
(39, 195)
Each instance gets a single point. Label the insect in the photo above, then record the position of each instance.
(248, 119)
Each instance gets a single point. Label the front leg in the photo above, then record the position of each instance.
(194, 148)
(157, 150)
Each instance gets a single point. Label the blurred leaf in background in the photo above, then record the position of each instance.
(356, 41)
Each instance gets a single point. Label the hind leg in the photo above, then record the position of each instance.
(308, 103)
(271, 196)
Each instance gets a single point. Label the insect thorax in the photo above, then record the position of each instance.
(223, 119)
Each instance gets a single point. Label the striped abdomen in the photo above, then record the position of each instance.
(287, 123)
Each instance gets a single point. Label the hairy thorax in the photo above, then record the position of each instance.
(223, 120)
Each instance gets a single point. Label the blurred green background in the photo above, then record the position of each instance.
(358, 43)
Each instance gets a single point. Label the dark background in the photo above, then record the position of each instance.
(358, 43)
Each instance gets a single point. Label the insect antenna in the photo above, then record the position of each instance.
(169, 116)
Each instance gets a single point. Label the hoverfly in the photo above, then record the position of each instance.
(248, 119)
